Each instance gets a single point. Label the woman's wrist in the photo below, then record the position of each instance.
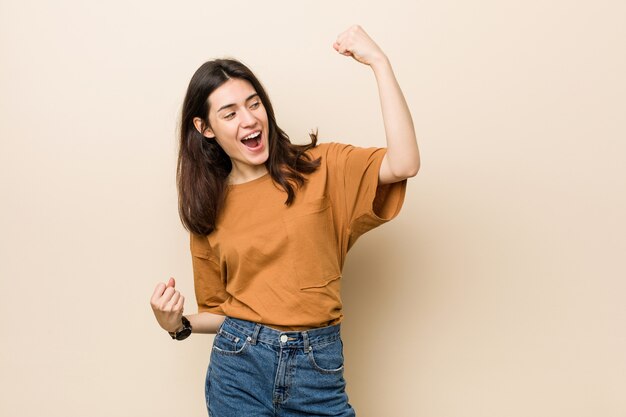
(380, 63)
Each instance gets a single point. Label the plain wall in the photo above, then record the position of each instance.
(499, 289)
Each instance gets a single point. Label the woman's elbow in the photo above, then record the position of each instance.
(414, 170)
(390, 173)
(408, 171)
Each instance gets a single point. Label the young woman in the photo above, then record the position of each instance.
(271, 223)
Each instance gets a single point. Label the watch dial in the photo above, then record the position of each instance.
(183, 334)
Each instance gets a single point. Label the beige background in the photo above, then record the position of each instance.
(498, 291)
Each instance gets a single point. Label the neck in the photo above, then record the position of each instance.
(237, 176)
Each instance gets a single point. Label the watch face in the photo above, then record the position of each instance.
(183, 334)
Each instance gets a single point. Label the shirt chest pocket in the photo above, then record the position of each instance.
(312, 244)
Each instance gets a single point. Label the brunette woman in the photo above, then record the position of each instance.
(270, 225)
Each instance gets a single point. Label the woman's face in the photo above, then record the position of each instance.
(239, 124)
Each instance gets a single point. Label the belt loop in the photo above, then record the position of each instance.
(255, 334)
(305, 337)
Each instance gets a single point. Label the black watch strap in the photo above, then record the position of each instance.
(184, 332)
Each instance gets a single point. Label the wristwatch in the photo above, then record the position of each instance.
(184, 332)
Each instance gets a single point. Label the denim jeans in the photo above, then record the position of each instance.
(256, 371)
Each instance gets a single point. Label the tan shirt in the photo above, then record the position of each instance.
(280, 266)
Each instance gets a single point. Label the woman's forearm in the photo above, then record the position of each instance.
(403, 158)
(208, 323)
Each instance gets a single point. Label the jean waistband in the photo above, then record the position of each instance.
(255, 332)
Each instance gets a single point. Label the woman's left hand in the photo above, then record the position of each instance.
(356, 43)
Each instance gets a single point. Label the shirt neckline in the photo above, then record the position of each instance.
(250, 183)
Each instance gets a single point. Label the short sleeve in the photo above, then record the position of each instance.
(361, 204)
(208, 284)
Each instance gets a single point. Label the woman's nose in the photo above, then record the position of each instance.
(247, 118)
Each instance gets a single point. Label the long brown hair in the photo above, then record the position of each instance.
(203, 166)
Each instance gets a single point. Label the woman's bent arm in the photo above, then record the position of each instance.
(402, 159)
(167, 304)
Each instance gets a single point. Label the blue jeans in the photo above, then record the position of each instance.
(258, 371)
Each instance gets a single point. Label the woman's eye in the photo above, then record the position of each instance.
(229, 116)
(255, 105)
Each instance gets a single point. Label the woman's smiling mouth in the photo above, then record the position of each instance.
(253, 140)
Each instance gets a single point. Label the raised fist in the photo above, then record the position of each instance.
(356, 43)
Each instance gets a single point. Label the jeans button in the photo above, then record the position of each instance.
(283, 338)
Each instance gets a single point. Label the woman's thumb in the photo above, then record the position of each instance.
(171, 282)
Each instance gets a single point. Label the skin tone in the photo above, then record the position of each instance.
(241, 117)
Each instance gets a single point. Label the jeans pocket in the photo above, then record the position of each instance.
(228, 343)
(327, 358)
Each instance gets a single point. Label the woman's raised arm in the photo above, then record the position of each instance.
(402, 159)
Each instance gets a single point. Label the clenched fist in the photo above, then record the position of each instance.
(356, 43)
(167, 305)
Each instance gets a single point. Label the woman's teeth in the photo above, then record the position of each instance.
(253, 140)
(252, 135)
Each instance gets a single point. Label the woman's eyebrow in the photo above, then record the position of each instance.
(250, 97)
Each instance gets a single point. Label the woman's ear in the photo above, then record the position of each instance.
(199, 124)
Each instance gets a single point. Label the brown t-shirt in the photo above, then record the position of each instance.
(280, 265)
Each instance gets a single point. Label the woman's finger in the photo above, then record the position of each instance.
(180, 304)
(158, 292)
(172, 302)
(168, 293)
